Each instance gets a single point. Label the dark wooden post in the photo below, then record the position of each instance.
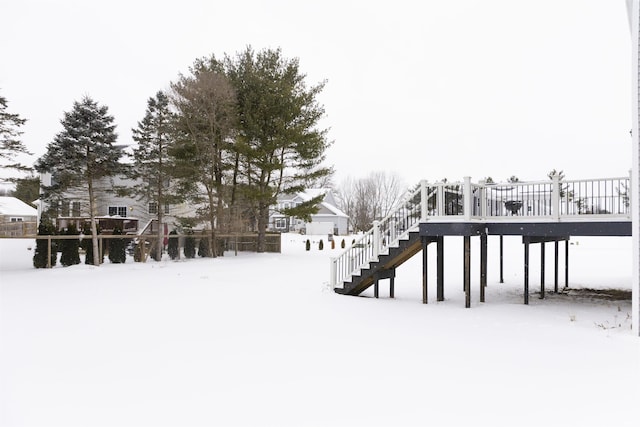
(483, 265)
(425, 298)
(555, 277)
(392, 286)
(566, 263)
(542, 256)
(501, 260)
(467, 271)
(376, 288)
(440, 268)
(526, 271)
(48, 251)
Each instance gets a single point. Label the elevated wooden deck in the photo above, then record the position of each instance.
(540, 212)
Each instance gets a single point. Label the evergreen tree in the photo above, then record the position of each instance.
(189, 246)
(27, 189)
(206, 116)
(46, 228)
(117, 248)
(152, 163)
(10, 144)
(70, 248)
(279, 147)
(82, 153)
(203, 247)
(173, 248)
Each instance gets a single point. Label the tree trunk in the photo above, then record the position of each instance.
(94, 228)
(263, 219)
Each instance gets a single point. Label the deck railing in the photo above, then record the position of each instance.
(602, 199)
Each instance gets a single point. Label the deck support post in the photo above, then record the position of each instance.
(425, 298)
(526, 271)
(483, 265)
(501, 259)
(566, 263)
(392, 286)
(542, 256)
(467, 271)
(440, 268)
(555, 257)
(376, 289)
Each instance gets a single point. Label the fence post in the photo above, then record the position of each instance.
(555, 196)
(423, 200)
(467, 207)
(483, 199)
(376, 239)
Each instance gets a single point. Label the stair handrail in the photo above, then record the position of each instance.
(384, 233)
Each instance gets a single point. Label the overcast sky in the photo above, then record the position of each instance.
(427, 89)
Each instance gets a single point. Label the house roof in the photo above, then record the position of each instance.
(13, 206)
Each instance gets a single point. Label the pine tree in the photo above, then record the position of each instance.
(82, 153)
(70, 248)
(173, 247)
(117, 248)
(46, 228)
(152, 163)
(10, 144)
(279, 146)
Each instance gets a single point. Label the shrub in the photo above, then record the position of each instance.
(45, 228)
(321, 245)
(342, 244)
(173, 248)
(333, 244)
(117, 248)
(308, 245)
(203, 247)
(70, 248)
(189, 246)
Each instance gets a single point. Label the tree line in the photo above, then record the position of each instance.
(229, 136)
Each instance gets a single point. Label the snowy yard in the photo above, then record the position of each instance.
(259, 339)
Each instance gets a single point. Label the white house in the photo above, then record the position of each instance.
(328, 220)
(17, 218)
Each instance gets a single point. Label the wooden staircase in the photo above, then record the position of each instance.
(384, 267)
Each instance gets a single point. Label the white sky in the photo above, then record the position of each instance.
(426, 89)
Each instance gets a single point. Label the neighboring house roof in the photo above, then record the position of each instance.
(310, 193)
(13, 206)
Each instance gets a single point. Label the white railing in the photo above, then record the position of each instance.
(553, 200)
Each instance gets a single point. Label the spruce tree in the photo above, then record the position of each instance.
(117, 248)
(152, 163)
(46, 228)
(81, 154)
(70, 248)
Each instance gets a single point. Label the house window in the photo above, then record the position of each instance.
(118, 210)
(281, 223)
(153, 208)
(75, 208)
(64, 209)
(16, 219)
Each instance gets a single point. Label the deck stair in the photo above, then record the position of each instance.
(382, 268)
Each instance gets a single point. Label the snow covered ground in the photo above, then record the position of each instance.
(259, 339)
